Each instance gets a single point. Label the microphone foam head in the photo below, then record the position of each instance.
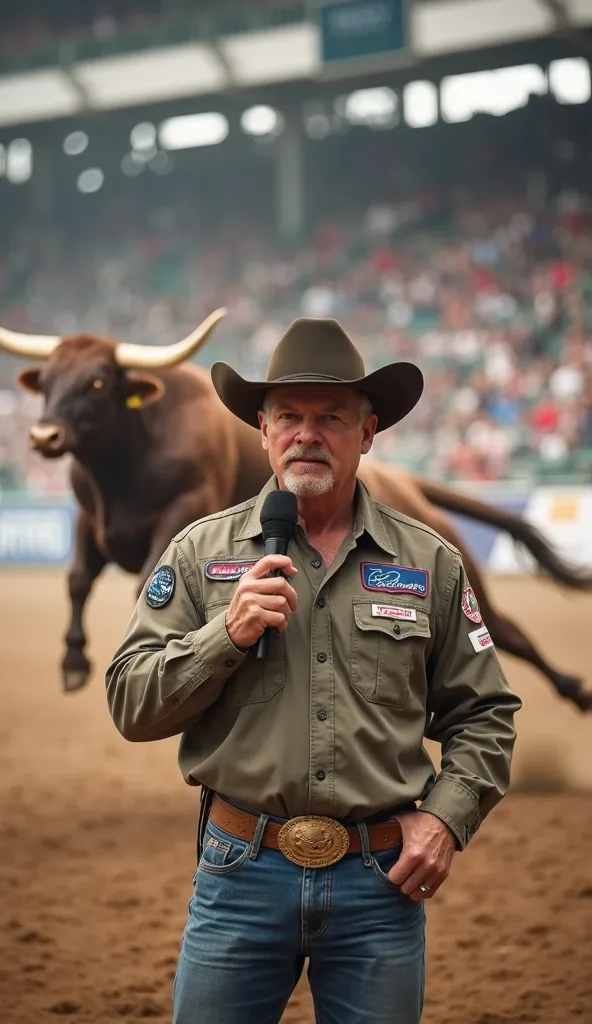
(279, 515)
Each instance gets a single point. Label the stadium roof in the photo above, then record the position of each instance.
(208, 57)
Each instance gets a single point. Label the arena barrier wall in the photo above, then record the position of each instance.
(36, 533)
(41, 532)
(562, 514)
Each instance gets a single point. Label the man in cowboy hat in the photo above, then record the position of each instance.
(324, 824)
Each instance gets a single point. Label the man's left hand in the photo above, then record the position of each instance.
(428, 848)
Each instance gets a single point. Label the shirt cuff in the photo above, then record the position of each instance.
(456, 805)
(215, 649)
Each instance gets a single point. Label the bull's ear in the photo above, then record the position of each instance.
(30, 378)
(142, 389)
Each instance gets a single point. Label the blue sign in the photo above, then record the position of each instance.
(32, 535)
(353, 29)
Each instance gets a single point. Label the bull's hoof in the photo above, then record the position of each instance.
(74, 679)
(583, 700)
(76, 669)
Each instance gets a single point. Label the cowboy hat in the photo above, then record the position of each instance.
(318, 351)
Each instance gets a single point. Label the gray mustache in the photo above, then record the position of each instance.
(311, 454)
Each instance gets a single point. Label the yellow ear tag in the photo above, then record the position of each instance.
(134, 402)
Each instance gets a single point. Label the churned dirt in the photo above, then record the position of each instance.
(97, 839)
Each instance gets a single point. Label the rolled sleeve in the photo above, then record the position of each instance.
(471, 714)
(169, 668)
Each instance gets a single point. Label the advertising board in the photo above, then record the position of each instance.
(362, 31)
(39, 534)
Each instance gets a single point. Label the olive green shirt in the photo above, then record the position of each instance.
(378, 654)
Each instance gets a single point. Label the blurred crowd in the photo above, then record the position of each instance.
(488, 290)
(36, 25)
(25, 30)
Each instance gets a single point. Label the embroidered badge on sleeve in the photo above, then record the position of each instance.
(161, 587)
(480, 639)
(470, 605)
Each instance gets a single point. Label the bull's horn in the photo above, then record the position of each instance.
(28, 346)
(160, 357)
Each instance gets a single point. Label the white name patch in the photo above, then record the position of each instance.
(388, 611)
(480, 639)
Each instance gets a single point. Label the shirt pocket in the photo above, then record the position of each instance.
(253, 681)
(384, 653)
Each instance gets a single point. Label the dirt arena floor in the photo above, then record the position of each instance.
(97, 839)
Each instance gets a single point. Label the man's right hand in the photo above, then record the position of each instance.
(261, 600)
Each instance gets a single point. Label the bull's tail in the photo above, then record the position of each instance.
(521, 531)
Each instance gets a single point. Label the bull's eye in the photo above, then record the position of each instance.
(98, 384)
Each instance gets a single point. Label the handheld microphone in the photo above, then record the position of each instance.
(279, 516)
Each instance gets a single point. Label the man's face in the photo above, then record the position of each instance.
(315, 437)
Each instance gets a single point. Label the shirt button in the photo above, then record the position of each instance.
(321, 602)
(321, 775)
(316, 563)
(321, 656)
(397, 627)
(321, 715)
(230, 663)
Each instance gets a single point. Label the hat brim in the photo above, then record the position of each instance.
(393, 390)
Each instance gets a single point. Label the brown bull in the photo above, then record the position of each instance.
(154, 449)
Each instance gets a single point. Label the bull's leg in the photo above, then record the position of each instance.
(506, 634)
(186, 509)
(88, 563)
(510, 638)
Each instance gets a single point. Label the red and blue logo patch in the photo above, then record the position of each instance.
(229, 570)
(395, 579)
(470, 605)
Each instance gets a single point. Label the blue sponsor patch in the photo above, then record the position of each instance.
(229, 570)
(161, 587)
(395, 579)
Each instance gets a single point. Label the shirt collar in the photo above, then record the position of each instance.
(367, 519)
(252, 527)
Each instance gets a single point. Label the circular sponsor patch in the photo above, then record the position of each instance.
(161, 587)
(470, 605)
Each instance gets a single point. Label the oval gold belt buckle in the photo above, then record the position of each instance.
(312, 841)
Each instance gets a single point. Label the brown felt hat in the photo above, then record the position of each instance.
(318, 351)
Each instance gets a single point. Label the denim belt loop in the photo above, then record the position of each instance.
(365, 843)
(257, 838)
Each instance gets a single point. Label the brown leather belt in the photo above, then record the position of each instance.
(310, 840)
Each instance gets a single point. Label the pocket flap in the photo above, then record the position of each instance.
(398, 628)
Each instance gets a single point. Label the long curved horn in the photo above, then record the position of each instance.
(160, 357)
(28, 346)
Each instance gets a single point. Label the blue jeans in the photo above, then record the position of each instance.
(255, 916)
